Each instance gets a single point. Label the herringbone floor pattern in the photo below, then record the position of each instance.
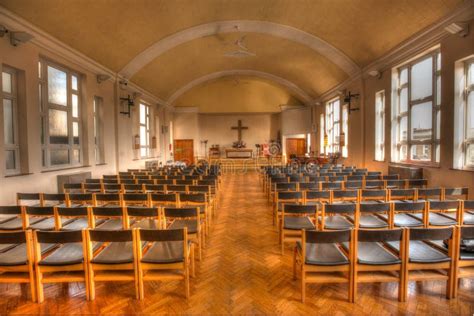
(242, 272)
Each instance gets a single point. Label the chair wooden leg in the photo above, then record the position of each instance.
(39, 286)
(34, 296)
(303, 286)
(86, 283)
(141, 287)
(186, 280)
(91, 284)
(294, 263)
(193, 261)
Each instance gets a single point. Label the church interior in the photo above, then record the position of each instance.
(290, 157)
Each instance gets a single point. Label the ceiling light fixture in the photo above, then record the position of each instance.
(460, 28)
(17, 38)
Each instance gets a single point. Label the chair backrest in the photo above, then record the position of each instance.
(374, 207)
(92, 187)
(185, 182)
(154, 188)
(112, 187)
(409, 206)
(142, 211)
(417, 183)
(132, 188)
(373, 194)
(444, 205)
(160, 235)
(39, 210)
(327, 237)
(332, 185)
(468, 205)
(426, 193)
(431, 233)
(384, 235)
(56, 198)
(299, 209)
(58, 237)
(192, 198)
(289, 195)
(402, 194)
(163, 197)
(167, 182)
(92, 180)
(28, 197)
(110, 235)
(467, 232)
(336, 178)
(308, 186)
(199, 189)
(134, 198)
(107, 211)
(107, 198)
(318, 195)
(377, 184)
(344, 195)
(286, 186)
(80, 198)
(391, 177)
(372, 177)
(176, 188)
(111, 181)
(10, 210)
(72, 187)
(345, 209)
(18, 237)
(181, 212)
(145, 181)
(355, 178)
(128, 181)
(455, 193)
(80, 211)
(400, 184)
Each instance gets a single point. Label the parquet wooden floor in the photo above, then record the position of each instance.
(242, 272)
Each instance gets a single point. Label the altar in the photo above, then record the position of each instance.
(238, 153)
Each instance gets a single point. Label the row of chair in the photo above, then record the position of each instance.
(397, 255)
(141, 188)
(90, 256)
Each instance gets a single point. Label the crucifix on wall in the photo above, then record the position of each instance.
(239, 129)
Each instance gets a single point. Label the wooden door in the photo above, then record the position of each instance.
(295, 147)
(184, 150)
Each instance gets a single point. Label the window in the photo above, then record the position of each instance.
(98, 140)
(380, 126)
(333, 117)
(10, 121)
(59, 90)
(416, 116)
(144, 130)
(345, 129)
(464, 115)
(321, 134)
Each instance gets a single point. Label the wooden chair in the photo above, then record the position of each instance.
(137, 199)
(132, 188)
(464, 260)
(404, 214)
(467, 213)
(332, 185)
(80, 215)
(72, 187)
(167, 182)
(374, 184)
(91, 187)
(112, 188)
(104, 199)
(375, 262)
(66, 263)
(168, 256)
(185, 182)
(47, 217)
(373, 195)
(53, 199)
(17, 259)
(206, 189)
(338, 216)
(11, 218)
(375, 215)
(322, 259)
(80, 199)
(198, 200)
(189, 218)
(112, 217)
(164, 199)
(402, 195)
(354, 185)
(145, 181)
(455, 193)
(154, 188)
(425, 260)
(294, 218)
(115, 262)
(28, 199)
(282, 198)
(317, 198)
(429, 194)
(443, 213)
(143, 217)
(345, 196)
(308, 186)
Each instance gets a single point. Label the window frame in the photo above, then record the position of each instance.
(322, 131)
(147, 129)
(13, 97)
(345, 130)
(436, 107)
(45, 106)
(468, 90)
(97, 112)
(379, 147)
(333, 145)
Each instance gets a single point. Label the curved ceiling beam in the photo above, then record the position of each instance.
(244, 26)
(297, 91)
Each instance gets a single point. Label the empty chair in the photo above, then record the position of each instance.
(189, 218)
(29, 199)
(17, 259)
(143, 217)
(317, 197)
(336, 178)
(173, 188)
(80, 199)
(197, 200)
(154, 188)
(404, 214)
(128, 181)
(308, 186)
(284, 197)
(374, 195)
(114, 262)
(72, 187)
(456, 193)
(92, 180)
(66, 263)
(139, 199)
(374, 215)
(354, 185)
(112, 188)
(402, 195)
(175, 177)
(317, 178)
(294, 218)
(286, 186)
(396, 184)
(113, 217)
(168, 252)
(165, 181)
(91, 187)
(163, 199)
(374, 262)
(337, 216)
(81, 216)
(322, 259)
(110, 177)
(430, 194)
(53, 199)
(185, 182)
(332, 185)
(11, 218)
(104, 199)
(145, 181)
(442, 213)
(464, 257)
(206, 189)
(467, 213)
(344, 196)
(47, 214)
(374, 184)
(110, 181)
(133, 188)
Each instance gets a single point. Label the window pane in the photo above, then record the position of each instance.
(403, 152)
(438, 124)
(142, 114)
(59, 157)
(421, 121)
(58, 133)
(10, 160)
(75, 132)
(142, 135)
(57, 87)
(470, 155)
(438, 90)
(40, 96)
(470, 115)
(438, 153)
(421, 79)
(39, 70)
(438, 61)
(143, 152)
(336, 111)
(6, 82)
(74, 82)
(403, 128)
(404, 100)
(75, 106)
(421, 152)
(76, 156)
(471, 74)
(8, 124)
(403, 76)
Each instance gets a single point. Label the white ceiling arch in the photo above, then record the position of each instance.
(297, 91)
(246, 26)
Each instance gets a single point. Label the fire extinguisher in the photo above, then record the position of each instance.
(136, 142)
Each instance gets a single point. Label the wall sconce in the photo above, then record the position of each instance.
(460, 28)
(17, 38)
(102, 77)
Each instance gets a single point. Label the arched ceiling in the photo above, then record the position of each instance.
(313, 44)
(231, 94)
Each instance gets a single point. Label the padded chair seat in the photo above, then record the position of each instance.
(464, 255)
(324, 254)
(164, 252)
(298, 222)
(112, 224)
(17, 223)
(405, 220)
(5, 247)
(146, 223)
(48, 223)
(6, 217)
(115, 253)
(337, 222)
(16, 256)
(420, 252)
(190, 224)
(467, 220)
(373, 253)
(371, 221)
(437, 219)
(81, 223)
(71, 253)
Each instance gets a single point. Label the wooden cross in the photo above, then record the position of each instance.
(239, 129)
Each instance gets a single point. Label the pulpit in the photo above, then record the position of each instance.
(238, 153)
